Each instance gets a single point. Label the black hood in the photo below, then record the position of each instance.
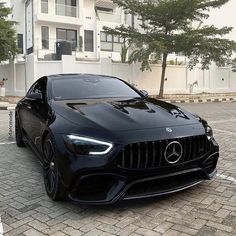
(123, 114)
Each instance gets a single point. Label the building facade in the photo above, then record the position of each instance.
(42, 24)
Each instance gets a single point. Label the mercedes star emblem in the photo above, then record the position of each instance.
(169, 130)
(173, 152)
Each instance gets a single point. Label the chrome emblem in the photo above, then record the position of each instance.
(173, 152)
(169, 130)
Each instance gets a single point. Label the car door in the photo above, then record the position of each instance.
(39, 112)
(25, 112)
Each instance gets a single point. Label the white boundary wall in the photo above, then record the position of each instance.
(178, 78)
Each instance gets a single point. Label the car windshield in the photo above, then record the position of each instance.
(89, 87)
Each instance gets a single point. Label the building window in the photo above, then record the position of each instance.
(111, 43)
(105, 10)
(44, 6)
(68, 36)
(20, 43)
(88, 41)
(66, 8)
(45, 37)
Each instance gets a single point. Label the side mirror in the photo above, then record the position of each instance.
(144, 93)
(35, 97)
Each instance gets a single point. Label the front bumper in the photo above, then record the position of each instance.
(136, 189)
(99, 180)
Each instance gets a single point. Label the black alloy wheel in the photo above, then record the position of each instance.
(18, 133)
(52, 180)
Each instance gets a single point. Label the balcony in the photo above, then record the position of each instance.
(66, 10)
(58, 14)
(109, 17)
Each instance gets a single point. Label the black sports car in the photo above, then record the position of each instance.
(100, 140)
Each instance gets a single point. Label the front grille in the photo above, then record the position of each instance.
(146, 155)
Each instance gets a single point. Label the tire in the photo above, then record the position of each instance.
(52, 181)
(18, 133)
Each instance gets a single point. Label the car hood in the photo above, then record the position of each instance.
(123, 114)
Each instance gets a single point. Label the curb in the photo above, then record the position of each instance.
(7, 108)
(206, 100)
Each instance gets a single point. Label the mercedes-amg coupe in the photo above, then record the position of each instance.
(101, 140)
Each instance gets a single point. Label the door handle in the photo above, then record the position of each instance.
(28, 106)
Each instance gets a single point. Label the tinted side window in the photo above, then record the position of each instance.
(39, 87)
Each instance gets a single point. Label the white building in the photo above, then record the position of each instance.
(44, 23)
(46, 26)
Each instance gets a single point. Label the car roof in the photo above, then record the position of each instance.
(78, 76)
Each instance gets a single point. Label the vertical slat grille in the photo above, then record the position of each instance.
(151, 154)
(139, 156)
(131, 155)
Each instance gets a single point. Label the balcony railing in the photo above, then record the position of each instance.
(66, 10)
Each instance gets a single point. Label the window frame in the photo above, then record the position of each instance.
(112, 42)
(44, 1)
(20, 43)
(105, 10)
(93, 46)
(45, 96)
(48, 41)
(76, 37)
(67, 3)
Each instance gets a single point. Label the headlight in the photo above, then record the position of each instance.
(209, 132)
(87, 146)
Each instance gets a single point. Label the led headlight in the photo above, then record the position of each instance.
(87, 146)
(209, 131)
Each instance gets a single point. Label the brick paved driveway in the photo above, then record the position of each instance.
(208, 209)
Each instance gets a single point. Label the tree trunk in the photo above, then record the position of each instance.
(163, 73)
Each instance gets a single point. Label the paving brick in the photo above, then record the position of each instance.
(71, 231)
(18, 230)
(222, 213)
(107, 234)
(184, 229)
(127, 230)
(162, 228)
(208, 201)
(108, 228)
(123, 223)
(171, 232)
(219, 226)
(147, 232)
(90, 226)
(215, 206)
(208, 209)
(107, 220)
(38, 225)
(59, 233)
(55, 228)
(94, 232)
(33, 232)
(21, 222)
